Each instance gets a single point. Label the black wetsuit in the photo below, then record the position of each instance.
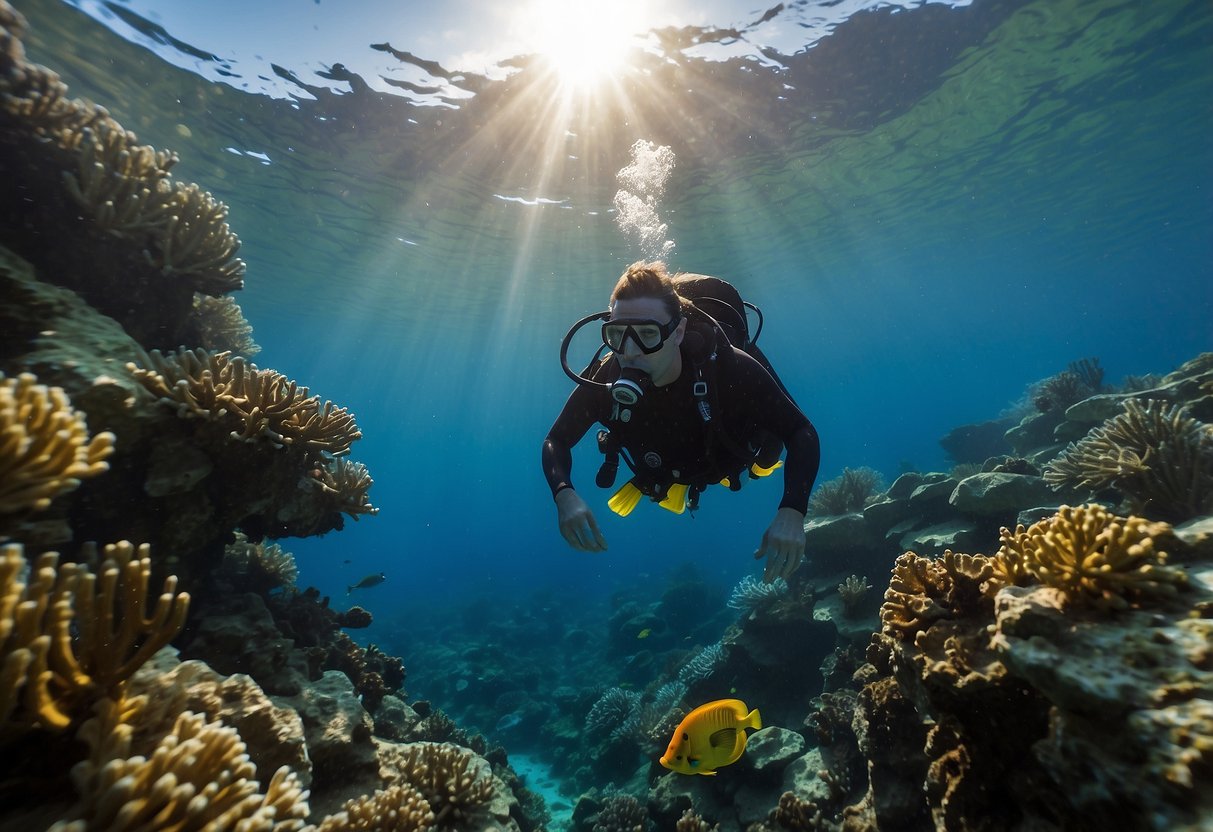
(668, 441)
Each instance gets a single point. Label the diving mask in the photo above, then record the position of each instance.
(648, 335)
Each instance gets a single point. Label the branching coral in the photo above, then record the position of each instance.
(257, 403)
(347, 483)
(44, 445)
(1093, 557)
(222, 326)
(69, 636)
(400, 808)
(197, 778)
(1082, 379)
(450, 778)
(846, 493)
(124, 187)
(852, 592)
(123, 184)
(1155, 453)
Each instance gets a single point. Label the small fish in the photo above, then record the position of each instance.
(645, 633)
(369, 580)
(710, 736)
(347, 560)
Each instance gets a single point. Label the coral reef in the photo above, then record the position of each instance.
(1092, 556)
(1154, 452)
(197, 777)
(45, 448)
(76, 169)
(222, 326)
(259, 567)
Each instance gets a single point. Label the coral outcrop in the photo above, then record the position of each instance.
(145, 243)
(196, 777)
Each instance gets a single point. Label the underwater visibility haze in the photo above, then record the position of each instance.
(977, 232)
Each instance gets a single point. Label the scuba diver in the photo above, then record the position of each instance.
(688, 401)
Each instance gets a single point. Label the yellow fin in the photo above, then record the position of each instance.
(625, 499)
(758, 471)
(725, 482)
(675, 499)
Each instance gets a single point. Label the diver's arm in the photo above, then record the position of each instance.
(574, 420)
(577, 524)
(763, 401)
(783, 542)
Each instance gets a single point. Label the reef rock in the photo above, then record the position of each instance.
(999, 495)
(274, 735)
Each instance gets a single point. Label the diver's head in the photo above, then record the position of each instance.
(647, 323)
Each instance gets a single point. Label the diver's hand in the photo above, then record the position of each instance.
(577, 523)
(782, 545)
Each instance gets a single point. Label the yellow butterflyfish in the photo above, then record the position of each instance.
(711, 736)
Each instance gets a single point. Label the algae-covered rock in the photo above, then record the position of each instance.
(999, 495)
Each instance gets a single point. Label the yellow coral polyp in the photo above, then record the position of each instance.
(45, 449)
(1093, 557)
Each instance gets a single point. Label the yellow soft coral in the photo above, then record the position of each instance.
(45, 448)
(1093, 556)
(69, 637)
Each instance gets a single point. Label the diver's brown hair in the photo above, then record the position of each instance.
(650, 280)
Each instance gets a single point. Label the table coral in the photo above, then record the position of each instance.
(45, 447)
(1093, 557)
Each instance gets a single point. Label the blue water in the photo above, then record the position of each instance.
(950, 205)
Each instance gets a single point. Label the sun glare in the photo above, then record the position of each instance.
(584, 40)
